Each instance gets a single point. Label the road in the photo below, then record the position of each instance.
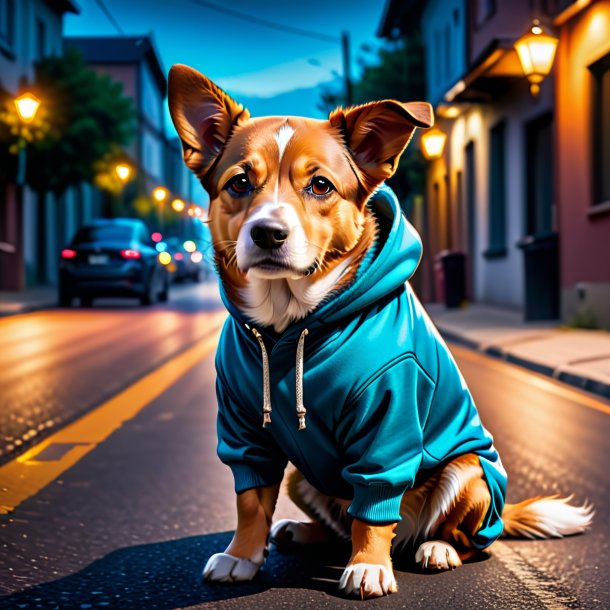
(141, 499)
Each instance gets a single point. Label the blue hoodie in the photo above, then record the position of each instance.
(385, 400)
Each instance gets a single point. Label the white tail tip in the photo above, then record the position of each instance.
(546, 517)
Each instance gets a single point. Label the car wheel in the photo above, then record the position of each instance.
(86, 301)
(164, 294)
(149, 296)
(64, 299)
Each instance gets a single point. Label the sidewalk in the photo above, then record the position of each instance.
(578, 357)
(30, 299)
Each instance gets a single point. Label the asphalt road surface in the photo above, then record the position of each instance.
(141, 500)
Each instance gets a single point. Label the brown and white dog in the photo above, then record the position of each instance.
(278, 258)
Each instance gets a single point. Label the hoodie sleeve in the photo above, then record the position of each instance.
(381, 435)
(245, 446)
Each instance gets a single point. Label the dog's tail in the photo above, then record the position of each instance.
(546, 517)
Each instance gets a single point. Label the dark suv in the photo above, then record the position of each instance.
(112, 258)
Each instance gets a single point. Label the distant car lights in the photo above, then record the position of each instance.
(156, 236)
(131, 254)
(178, 256)
(189, 245)
(161, 246)
(196, 257)
(165, 258)
(67, 253)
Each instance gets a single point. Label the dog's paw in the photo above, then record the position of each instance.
(367, 580)
(437, 555)
(287, 533)
(223, 567)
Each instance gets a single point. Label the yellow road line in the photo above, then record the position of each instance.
(26, 475)
(532, 378)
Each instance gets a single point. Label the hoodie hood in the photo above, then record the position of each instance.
(386, 267)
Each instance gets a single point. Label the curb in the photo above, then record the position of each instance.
(582, 383)
(28, 308)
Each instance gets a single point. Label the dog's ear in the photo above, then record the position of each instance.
(377, 133)
(204, 116)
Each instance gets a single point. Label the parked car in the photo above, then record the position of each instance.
(188, 258)
(112, 258)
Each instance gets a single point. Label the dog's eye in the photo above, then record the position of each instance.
(320, 186)
(239, 186)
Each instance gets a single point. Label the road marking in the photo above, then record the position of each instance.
(532, 378)
(28, 473)
(550, 592)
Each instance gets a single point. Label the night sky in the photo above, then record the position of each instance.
(249, 60)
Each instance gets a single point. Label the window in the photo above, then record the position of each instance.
(483, 11)
(41, 38)
(539, 203)
(497, 192)
(7, 25)
(600, 71)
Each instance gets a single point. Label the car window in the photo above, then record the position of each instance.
(103, 233)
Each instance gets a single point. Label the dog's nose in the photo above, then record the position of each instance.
(268, 238)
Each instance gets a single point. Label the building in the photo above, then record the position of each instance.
(44, 223)
(29, 30)
(536, 233)
(582, 139)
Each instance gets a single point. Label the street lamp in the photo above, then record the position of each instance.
(178, 205)
(27, 106)
(433, 143)
(536, 51)
(160, 194)
(123, 171)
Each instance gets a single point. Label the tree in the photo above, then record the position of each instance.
(88, 117)
(395, 71)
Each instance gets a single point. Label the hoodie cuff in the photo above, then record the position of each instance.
(377, 503)
(248, 478)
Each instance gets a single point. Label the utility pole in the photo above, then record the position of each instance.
(347, 78)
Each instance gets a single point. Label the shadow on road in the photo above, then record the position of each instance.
(166, 575)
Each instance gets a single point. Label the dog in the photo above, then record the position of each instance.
(314, 257)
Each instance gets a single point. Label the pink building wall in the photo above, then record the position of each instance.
(585, 230)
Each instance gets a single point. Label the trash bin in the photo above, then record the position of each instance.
(450, 274)
(541, 262)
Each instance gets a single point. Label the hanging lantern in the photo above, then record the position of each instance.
(536, 51)
(433, 143)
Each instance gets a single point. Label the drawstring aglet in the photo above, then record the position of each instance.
(266, 415)
(301, 412)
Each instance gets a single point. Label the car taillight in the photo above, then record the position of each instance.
(131, 254)
(67, 253)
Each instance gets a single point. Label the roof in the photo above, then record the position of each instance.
(120, 50)
(495, 71)
(401, 15)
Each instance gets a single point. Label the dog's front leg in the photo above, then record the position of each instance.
(246, 553)
(369, 571)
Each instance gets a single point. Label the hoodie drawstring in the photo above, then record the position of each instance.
(266, 382)
(300, 407)
(301, 410)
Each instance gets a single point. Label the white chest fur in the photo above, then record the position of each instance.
(279, 302)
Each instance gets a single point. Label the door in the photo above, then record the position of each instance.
(540, 243)
(471, 206)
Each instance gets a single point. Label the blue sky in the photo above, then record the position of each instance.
(270, 70)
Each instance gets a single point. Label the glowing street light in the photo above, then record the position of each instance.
(160, 194)
(27, 106)
(178, 205)
(433, 143)
(123, 171)
(536, 51)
